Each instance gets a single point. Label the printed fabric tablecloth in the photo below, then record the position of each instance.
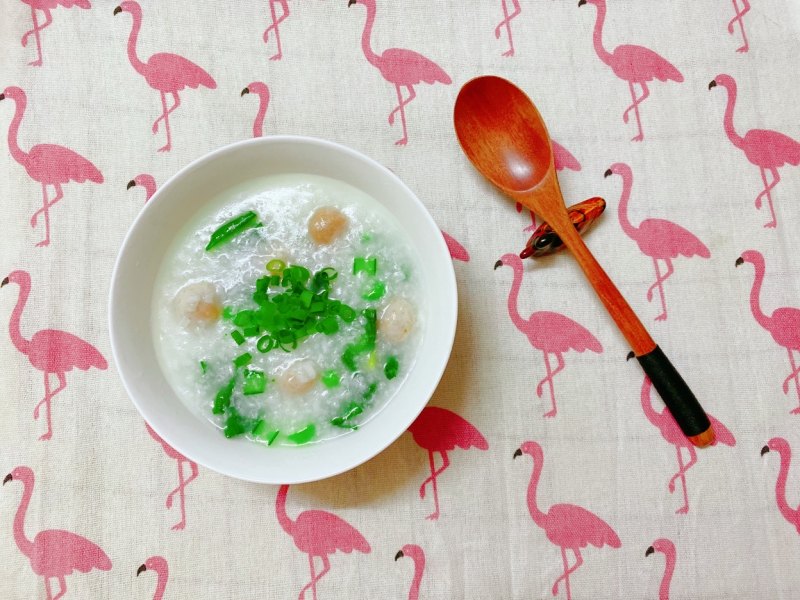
(603, 499)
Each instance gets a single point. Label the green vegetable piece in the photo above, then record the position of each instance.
(254, 383)
(227, 313)
(276, 266)
(391, 367)
(349, 357)
(331, 379)
(265, 344)
(236, 424)
(365, 265)
(227, 231)
(249, 332)
(347, 314)
(223, 398)
(203, 367)
(375, 291)
(370, 391)
(245, 318)
(351, 412)
(303, 436)
(242, 360)
(271, 437)
(366, 238)
(237, 337)
(262, 431)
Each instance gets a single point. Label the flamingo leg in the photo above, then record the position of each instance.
(635, 108)
(274, 27)
(48, 396)
(401, 104)
(532, 226)
(795, 374)
(311, 583)
(432, 480)
(181, 489)
(35, 31)
(768, 187)
(46, 211)
(659, 283)
(165, 117)
(507, 23)
(549, 379)
(47, 589)
(739, 17)
(62, 587)
(567, 571)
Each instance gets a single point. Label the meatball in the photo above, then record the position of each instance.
(326, 225)
(198, 303)
(299, 377)
(397, 320)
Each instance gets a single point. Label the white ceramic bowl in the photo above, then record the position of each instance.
(139, 261)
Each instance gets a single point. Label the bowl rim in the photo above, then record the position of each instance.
(446, 342)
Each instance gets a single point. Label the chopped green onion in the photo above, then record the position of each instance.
(331, 273)
(275, 266)
(237, 337)
(223, 398)
(331, 379)
(254, 383)
(227, 313)
(391, 367)
(229, 230)
(271, 437)
(349, 357)
(265, 344)
(262, 431)
(242, 360)
(249, 332)
(351, 412)
(366, 265)
(370, 391)
(374, 291)
(245, 318)
(236, 424)
(347, 314)
(367, 237)
(203, 367)
(303, 436)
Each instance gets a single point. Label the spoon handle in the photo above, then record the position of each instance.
(677, 395)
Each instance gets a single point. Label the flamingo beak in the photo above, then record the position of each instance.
(131, 184)
(2, 96)
(631, 355)
(649, 551)
(10, 478)
(607, 173)
(351, 2)
(581, 3)
(399, 555)
(244, 91)
(117, 10)
(739, 261)
(764, 450)
(517, 452)
(141, 569)
(713, 84)
(498, 264)
(4, 282)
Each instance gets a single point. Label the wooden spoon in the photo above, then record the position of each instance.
(505, 138)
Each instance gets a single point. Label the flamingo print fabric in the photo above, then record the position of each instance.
(603, 500)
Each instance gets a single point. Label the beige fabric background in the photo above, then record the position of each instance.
(103, 477)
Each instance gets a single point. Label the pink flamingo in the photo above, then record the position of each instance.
(656, 238)
(403, 68)
(568, 526)
(667, 548)
(48, 164)
(634, 64)
(781, 446)
(159, 565)
(46, 6)
(766, 149)
(670, 431)
(145, 181)
(739, 18)
(262, 91)
(550, 332)
(563, 159)
(783, 324)
(164, 72)
(182, 483)
(318, 533)
(440, 430)
(457, 251)
(51, 351)
(418, 556)
(54, 553)
(506, 22)
(274, 27)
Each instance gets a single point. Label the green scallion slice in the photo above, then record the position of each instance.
(254, 383)
(303, 436)
(229, 230)
(374, 291)
(367, 265)
(203, 367)
(331, 379)
(237, 337)
(242, 360)
(275, 266)
(222, 400)
(391, 367)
